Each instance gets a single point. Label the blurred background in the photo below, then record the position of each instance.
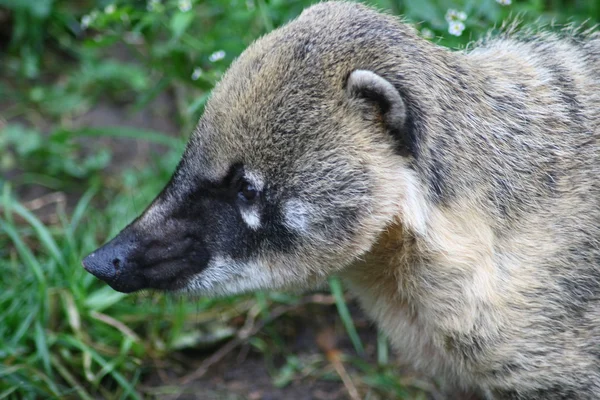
(97, 98)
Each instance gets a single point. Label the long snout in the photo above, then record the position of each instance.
(115, 264)
(151, 253)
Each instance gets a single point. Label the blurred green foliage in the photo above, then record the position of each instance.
(61, 332)
(59, 57)
(192, 42)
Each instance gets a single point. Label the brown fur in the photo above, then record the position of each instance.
(507, 161)
(457, 193)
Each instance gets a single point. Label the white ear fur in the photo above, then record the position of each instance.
(372, 87)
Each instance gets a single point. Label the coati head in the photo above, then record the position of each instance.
(299, 162)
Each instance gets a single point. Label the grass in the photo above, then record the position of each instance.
(63, 334)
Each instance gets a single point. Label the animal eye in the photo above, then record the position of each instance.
(248, 192)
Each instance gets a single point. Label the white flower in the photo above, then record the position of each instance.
(109, 9)
(427, 33)
(87, 20)
(217, 55)
(456, 28)
(455, 21)
(504, 2)
(197, 73)
(185, 5)
(453, 15)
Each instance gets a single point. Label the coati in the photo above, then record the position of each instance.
(456, 193)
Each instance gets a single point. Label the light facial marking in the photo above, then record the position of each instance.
(414, 210)
(255, 179)
(251, 217)
(225, 276)
(297, 214)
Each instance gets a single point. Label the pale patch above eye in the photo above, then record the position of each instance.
(251, 217)
(297, 215)
(256, 179)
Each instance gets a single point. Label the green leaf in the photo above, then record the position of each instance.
(103, 298)
(382, 349)
(180, 22)
(42, 346)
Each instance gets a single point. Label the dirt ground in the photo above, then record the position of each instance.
(248, 374)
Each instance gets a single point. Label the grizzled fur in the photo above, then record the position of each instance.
(457, 193)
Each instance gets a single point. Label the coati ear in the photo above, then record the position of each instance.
(374, 89)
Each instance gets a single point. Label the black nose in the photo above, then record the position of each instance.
(115, 264)
(104, 264)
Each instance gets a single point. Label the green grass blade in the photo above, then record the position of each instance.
(81, 207)
(6, 200)
(382, 349)
(5, 371)
(44, 235)
(264, 15)
(103, 298)
(24, 252)
(198, 104)
(41, 345)
(338, 293)
(102, 362)
(30, 381)
(24, 327)
(70, 379)
(8, 392)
